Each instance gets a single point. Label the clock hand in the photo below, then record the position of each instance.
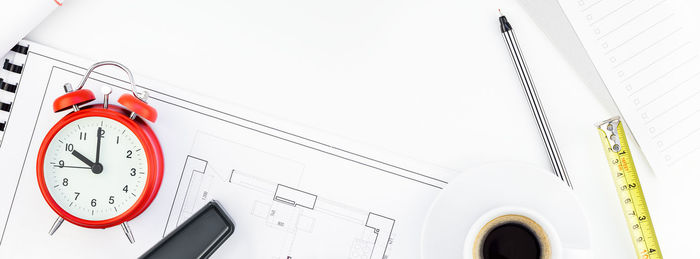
(99, 140)
(82, 158)
(95, 167)
(69, 166)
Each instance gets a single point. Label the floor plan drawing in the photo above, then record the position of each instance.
(292, 218)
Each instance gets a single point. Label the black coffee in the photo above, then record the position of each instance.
(511, 241)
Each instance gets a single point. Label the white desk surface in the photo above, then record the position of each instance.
(427, 79)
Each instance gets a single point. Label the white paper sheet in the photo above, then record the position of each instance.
(289, 195)
(650, 63)
(20, 17)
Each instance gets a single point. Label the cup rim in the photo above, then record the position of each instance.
(551, 234)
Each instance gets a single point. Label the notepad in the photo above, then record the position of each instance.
(294, 192)
(650, 63)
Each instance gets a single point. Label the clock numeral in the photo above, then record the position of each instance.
(133, 172)
(111, 199)
(117, 139)
(101, 133)
(76, 195)
(65, 181)
(83, 136)
(126, 188)
(61, 164)
(69, 147)
(93, 202)
(129, 153)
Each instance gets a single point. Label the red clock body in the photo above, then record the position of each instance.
(99, 167)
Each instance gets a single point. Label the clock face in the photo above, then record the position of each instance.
(95, 168)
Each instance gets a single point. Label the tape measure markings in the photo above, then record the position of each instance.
(629, 189)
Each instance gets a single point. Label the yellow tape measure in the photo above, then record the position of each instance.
(629, 190)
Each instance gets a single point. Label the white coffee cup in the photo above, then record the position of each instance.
(551, 247)
(484, 193)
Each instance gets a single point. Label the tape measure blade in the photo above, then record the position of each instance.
(629, 190)
(648, 244)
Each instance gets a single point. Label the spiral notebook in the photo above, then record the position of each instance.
(11, 72)
(293, 192)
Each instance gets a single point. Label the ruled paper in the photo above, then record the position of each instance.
(649, 62)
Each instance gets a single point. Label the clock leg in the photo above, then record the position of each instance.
(56, 225)
(127, 231)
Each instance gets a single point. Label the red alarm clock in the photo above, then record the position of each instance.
(100, 165)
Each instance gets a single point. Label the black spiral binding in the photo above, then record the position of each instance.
(8, 87)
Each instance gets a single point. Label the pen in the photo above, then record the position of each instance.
(533, 99)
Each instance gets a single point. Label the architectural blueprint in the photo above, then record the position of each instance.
(292, 192)
(287, 220)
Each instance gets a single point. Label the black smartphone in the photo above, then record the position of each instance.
(198, 237)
